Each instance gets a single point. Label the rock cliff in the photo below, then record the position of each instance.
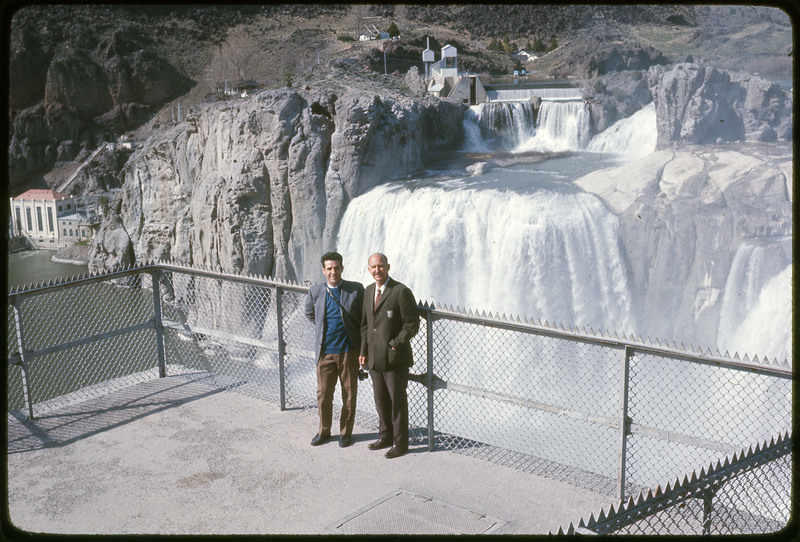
(82, 92)
(698, 104)
(259, 185)
(683, 215)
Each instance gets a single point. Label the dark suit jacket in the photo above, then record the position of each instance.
(352, 294)
(391, 325)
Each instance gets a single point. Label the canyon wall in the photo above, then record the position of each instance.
(259, 185)
(683, 216)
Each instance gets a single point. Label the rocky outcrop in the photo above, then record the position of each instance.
(698, 104)
(88, 96)
(683, 214)
(260, 185)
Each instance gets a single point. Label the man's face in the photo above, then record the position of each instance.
(333, 272)
(378, 268)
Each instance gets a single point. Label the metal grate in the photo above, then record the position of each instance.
(405, 512)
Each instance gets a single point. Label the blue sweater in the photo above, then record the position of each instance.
(336, 340)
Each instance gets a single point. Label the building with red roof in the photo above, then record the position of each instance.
(48, 219)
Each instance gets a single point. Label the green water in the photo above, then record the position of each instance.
(32, 266)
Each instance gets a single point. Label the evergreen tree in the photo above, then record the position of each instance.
(393, 31)
(553, 44)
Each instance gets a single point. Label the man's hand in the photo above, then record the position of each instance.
(362, 360)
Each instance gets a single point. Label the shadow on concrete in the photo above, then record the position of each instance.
(106, 412)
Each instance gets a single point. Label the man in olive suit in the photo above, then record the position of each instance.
(389, 321)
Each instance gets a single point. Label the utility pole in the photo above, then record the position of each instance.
(384, 61)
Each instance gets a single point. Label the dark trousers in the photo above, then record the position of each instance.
(330, 368)
(391, 402)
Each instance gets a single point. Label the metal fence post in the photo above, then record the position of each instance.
(162, 364)
(429, 353)
(624, 423)
(281, 346)
(23, 362)
(708, 510)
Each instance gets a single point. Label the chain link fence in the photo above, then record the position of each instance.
(614, 415)
(748, 496)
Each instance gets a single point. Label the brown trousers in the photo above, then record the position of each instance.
(330, 368)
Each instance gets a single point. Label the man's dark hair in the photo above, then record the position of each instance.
(331, 256)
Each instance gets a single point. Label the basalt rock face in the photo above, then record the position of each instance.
(260, 185)
(85, 93)
(683, 215)
(703, 105)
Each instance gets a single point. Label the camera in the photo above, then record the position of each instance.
(362, 374)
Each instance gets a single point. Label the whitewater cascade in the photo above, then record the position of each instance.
(633, 137)
(549, 253)
(755, 294)
(498, 125)
(559, 126)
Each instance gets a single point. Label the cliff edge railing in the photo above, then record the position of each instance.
(614, 414)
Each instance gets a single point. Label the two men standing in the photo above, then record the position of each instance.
(363, 328)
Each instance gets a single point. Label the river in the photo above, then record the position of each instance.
(33, 266)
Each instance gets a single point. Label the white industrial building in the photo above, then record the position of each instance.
(49, 219)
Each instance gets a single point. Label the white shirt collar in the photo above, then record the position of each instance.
(382, 288)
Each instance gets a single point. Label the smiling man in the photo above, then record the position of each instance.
(389, 320)
(334, 307)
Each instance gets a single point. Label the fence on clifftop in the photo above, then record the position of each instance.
(613, 414)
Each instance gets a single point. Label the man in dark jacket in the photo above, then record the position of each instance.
(389, 320)
(334, 307)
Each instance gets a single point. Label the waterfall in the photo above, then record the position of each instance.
(755, 317)
(561, 126)
(549, 253)
(632, 137)
(498, 125)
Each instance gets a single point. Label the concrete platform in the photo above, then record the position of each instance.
(180, 456)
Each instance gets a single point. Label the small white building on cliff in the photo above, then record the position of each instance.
(49, 219)
(445, 81)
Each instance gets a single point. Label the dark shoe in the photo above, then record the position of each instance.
(345, 441)
(380, 445)
(317, 440)
(394, 452)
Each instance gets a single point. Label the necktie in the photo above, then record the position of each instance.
(377, 298)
